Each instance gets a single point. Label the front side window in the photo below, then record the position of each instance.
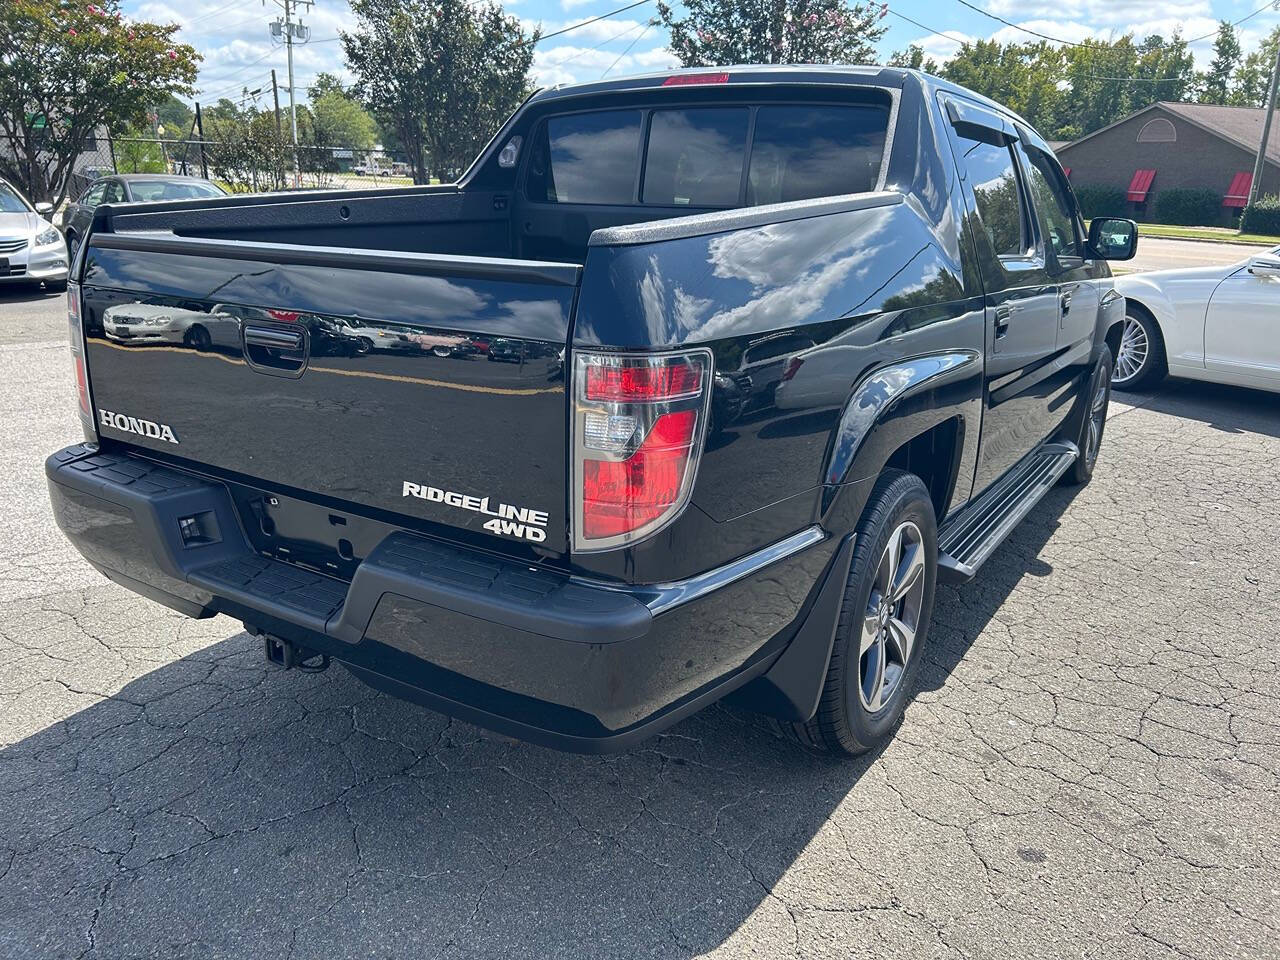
(114, 192)
(1053, 206)
(695, 157)
(799, 152)
(994, 176)
(586, 158)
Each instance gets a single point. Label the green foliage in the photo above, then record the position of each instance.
(723, 32)
(1022, 76)
(1187, 206)
(176, 118)
(914, 58)
(444, 74)
(1215, 84)
(1263, 216)
(137, 152)
(80, 67)
(1254, 76)
(340, 121)
(1098, 200)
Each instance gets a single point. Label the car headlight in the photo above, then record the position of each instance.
(47, 236)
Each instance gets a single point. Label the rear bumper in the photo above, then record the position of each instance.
(530, 652)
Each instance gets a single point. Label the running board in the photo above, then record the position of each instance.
(966, 540)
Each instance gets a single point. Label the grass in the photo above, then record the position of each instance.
(1218, 234)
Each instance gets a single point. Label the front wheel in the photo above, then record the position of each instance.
(884, 621)
(1140, 361)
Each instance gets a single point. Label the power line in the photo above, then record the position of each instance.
(646, 29)
(1077, 43)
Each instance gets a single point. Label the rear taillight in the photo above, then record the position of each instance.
(639, 421)
(75, 333)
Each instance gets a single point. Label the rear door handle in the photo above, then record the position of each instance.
(275, 351)
(1065, 300)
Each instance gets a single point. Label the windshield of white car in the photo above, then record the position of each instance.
(10, 201)
(150, 190)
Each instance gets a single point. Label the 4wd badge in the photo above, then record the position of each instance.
(507, 521)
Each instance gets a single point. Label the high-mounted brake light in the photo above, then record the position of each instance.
(694, 79)
(639, 420)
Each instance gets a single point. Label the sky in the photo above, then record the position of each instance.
(234, 39)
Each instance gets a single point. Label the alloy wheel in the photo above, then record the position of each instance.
(1135, 348)
(892, 618)
(1097, 419)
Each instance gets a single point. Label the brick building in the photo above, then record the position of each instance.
(1170, 145)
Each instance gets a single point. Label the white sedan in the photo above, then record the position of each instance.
(1207, 323)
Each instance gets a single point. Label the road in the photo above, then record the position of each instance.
(1089, 767)
(1157, 253)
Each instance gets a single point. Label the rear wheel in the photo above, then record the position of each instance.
(1140, 361)
(884, 621)
(1089, 439)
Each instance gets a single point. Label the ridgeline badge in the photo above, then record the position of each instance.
(523, 522)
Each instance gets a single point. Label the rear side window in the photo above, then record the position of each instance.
(586, 158)
(695, 157)
(994, 177)
(801, 152)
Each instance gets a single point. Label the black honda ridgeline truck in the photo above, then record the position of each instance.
(781, 347)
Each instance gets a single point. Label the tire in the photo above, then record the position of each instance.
(865, 691)
(198, 338)
(72, 242)
(1093, 423)
(365, 346)
(1141, 360)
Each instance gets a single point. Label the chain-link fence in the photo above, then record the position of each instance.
(240, 165)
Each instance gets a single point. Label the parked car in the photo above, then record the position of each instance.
(557, 550)
(130, 188)
(31, 249)
(1207, 323)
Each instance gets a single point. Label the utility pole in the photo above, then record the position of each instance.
(287, 29)
(275, 96)
(1259, 164)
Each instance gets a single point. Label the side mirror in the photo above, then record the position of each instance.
(1111, 238)
(1265, 265)
(44, 208)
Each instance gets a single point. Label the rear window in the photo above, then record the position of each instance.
(151, 190)
(587, 158)
(801, 152)
(695, 155)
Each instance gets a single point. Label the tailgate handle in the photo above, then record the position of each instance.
(277, 351)
(272, 337)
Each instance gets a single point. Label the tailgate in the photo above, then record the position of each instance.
(368, 378)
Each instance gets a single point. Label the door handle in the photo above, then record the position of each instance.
(1003, 315)
(272, 338)
(1065, 300)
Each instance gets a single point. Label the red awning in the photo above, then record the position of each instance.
(1238, 192)
(1140, 186)
(1066, 172)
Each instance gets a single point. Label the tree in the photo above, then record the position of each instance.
(1023, 76)
(914, 59)
(176, 118)
(70, 69)
(339, 121)
(1215, 84)
(723, 32)
(444, 74)
(1168, 69)
(1253, 79)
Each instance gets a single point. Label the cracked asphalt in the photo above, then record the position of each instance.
(1089, 767)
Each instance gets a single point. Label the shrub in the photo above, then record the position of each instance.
(1263, 216)
(1097, 200)
(1187, 206)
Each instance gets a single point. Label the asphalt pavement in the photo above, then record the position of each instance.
(1089, 767)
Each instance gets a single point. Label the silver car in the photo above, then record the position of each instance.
(31, 248)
